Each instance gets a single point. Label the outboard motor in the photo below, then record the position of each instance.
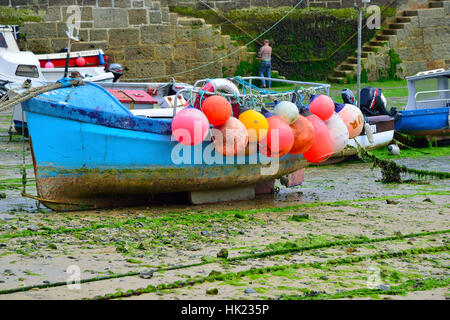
(348, 97)
(117, 71)
(373, 102)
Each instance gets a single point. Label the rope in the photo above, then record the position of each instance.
(391, 171)
(34, 92)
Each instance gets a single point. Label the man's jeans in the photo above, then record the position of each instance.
(265, 68)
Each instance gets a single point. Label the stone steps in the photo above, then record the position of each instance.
(436, 4)
(388, 35)
(397, 26)
(410, 13)
(348, 68)
(392, 32)
(402, 19)
(188, 21)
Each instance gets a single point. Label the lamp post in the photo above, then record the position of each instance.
(358, 74)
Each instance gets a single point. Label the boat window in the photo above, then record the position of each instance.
(3, 43)
(27, 71)
(426, 89)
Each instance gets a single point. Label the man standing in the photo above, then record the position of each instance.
(265, 54)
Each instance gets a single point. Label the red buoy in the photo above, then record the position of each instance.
(322, 146)
(322, 106)
(279, 139)
(217, 109)
(80, 62)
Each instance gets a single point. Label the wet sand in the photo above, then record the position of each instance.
(341, 211)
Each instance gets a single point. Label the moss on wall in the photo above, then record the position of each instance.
(13, 16)
(304, 43)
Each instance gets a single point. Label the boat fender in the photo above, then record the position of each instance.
(368, 133)
(224, 86)
(394, 149)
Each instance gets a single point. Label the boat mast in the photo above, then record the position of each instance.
(358, 74)
(70, 34)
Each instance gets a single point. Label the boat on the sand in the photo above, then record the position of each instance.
(94, 153)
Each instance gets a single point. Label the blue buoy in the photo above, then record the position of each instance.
(101, 59)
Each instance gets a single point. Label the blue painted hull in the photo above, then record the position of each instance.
(423, 122)
(85, 159)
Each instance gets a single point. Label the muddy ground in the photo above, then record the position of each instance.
(341, 235)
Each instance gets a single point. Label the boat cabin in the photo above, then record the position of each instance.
(16, 65)
(429, 89)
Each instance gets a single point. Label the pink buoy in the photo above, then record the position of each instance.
(338, 132)
(322, 146)
(231, 138)
(279, 139)
(80, 62)
(353, 119)
(322, 106)
(190, 126)
(49, 65)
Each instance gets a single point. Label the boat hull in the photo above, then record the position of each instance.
(87, 166)
(431, 122)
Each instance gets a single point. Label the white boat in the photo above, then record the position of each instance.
(18, 67)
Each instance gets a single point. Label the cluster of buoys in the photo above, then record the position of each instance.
(333, 129)
(285, 131)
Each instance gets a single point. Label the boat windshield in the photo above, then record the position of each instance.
(432, 93)
(27, 71)
(3, 43)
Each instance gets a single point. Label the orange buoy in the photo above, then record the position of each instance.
(322, 106)
(353, 119)
(279, 139)
(338, 132)
(322, 146)
(217, 109)
(230, 138)
(256, 124)
(303, 135)
(190, 126)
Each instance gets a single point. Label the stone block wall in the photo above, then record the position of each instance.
(142, 35)
(424, 44)
(238, 4)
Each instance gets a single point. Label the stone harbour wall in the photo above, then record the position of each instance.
(149, 41)
(226, 5)
(424, 44)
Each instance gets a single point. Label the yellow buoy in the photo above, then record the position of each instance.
(256, 124)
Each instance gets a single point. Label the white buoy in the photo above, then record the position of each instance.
(287, 111)
(338, 132)
(393, 149)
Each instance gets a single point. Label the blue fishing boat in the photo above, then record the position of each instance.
(427, 113)
(90, 151)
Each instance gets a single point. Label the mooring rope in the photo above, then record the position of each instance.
(34, 92)
(391, 170)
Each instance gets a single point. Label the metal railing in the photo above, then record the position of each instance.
(432, 100)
